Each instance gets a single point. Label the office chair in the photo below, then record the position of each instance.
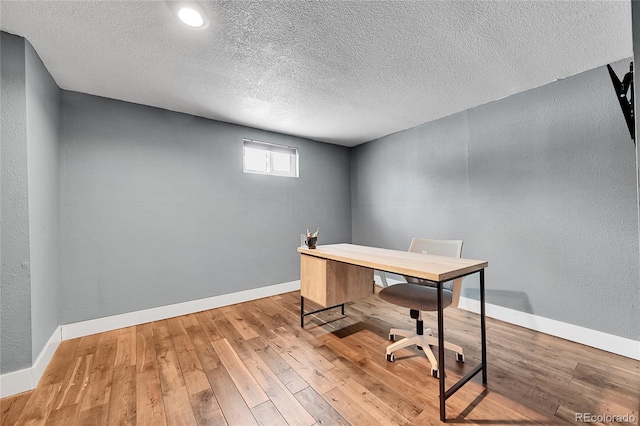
(422, 295)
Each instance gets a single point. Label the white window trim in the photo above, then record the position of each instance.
(270, 148)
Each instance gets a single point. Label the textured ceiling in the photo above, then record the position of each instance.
(344, 72)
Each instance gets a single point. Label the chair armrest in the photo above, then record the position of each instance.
(457, 288)
(383, 279)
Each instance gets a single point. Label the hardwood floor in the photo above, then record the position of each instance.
(251, 364)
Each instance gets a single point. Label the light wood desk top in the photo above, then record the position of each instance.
(419, 265)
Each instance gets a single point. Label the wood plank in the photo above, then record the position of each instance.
(95, 416)
(208, 357)
(67, 415)
(254, 318)
(75, 383)
(339, 347)
(126, 348)
(240, 324)
(389, 394)
(123, 402)
(146, 358)
(504, 402)
(429, 418)
(371, 403)
(288, 406)
(298, 362)
(192, 371)
(266, 414)
(108, 335)
(232, 335)
(270, 305)
(250, 390)
(174, 392)
(39, 405)
(261, 309)
(522, 391)
(582, 395)
(98, 391)
(58, 367)
(320, 409)
(208, 325)
(149, 400)
(206, 409)
(566, 414)
(294, 343)
(591, 356)
(285, 373)
(11, 407)
(626, 389)
(178, 408)
(88, 345)
(348, 409)
(231, 403)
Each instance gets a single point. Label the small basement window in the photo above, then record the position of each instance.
(269, 159)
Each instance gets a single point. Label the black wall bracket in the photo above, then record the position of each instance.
(624, 92)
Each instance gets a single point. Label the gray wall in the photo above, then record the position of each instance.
(15, 294)
(155, 208)
(541, 184)
(43, 159)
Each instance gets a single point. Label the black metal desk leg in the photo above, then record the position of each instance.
(441, 375)
(483, 329)
(304, 314)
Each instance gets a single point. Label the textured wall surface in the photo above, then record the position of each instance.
(155, 208)
(541, 184)
(43, 158)
(15, 297)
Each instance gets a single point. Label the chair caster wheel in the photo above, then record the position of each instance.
(391, 357)
(460, 357)
(392, 337)
(419, 347)
(435, 373)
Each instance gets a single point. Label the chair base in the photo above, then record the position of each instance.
(424, 342)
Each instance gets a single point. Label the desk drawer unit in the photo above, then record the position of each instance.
(329, 282)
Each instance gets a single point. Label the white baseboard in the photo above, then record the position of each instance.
(100, 325)
(27, 379)
(596, 339)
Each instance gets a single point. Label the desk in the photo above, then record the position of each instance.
(332, 275)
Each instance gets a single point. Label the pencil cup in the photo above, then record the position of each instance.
(311, 242)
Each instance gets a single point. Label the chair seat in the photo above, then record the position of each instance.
(415, 296)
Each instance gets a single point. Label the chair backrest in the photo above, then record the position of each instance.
(449, 248)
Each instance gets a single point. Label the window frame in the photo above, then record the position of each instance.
(270, 148)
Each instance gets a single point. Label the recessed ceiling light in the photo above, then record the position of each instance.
(190, 13)
(191, 17)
